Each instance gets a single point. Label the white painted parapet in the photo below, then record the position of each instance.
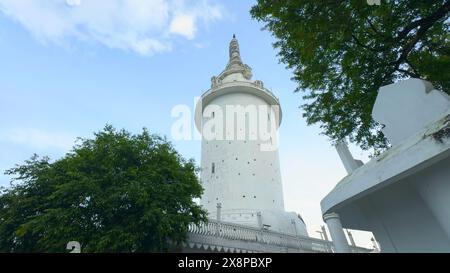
(217, 236)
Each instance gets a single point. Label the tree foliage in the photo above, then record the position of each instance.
(117, 192)
(342, 52)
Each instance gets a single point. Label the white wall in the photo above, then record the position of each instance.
(403, 221)
(433, 185)
(244, 177)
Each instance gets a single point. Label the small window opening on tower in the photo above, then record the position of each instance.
(213, 114)
(213, 168)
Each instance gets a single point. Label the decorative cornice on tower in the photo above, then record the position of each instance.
(234, 66)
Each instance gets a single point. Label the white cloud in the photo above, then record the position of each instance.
(73, 2)
(183, 25)
(39, 139)
(143, 26)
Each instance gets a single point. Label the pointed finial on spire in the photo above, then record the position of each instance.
(234, 36)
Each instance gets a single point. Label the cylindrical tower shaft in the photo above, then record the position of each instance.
(238, 119)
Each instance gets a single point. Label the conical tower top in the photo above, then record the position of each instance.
(235, 55)
(235, 68)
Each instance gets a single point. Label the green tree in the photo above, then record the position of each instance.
(117, 192)
(342, 52)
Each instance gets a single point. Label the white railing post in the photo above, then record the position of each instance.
(219, 213)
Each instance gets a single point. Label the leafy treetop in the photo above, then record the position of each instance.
(117, 192)
(342, 52)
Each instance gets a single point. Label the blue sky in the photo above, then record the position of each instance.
(68, 67)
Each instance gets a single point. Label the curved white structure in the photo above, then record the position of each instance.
(403, 194)
(238, 119)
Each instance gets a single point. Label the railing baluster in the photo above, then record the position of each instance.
(270, 240)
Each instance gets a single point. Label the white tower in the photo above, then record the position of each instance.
(238, 119)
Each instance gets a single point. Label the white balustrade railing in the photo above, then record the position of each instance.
(233, 231)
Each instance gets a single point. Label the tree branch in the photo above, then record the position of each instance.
(438, 14)
(358, 42)
(374, 29)
(409, 73)
(425, 24)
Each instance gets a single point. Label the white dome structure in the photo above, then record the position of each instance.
(240, 170)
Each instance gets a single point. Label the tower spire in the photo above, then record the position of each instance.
(235, 68)
(235, 55)
(235, 64)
